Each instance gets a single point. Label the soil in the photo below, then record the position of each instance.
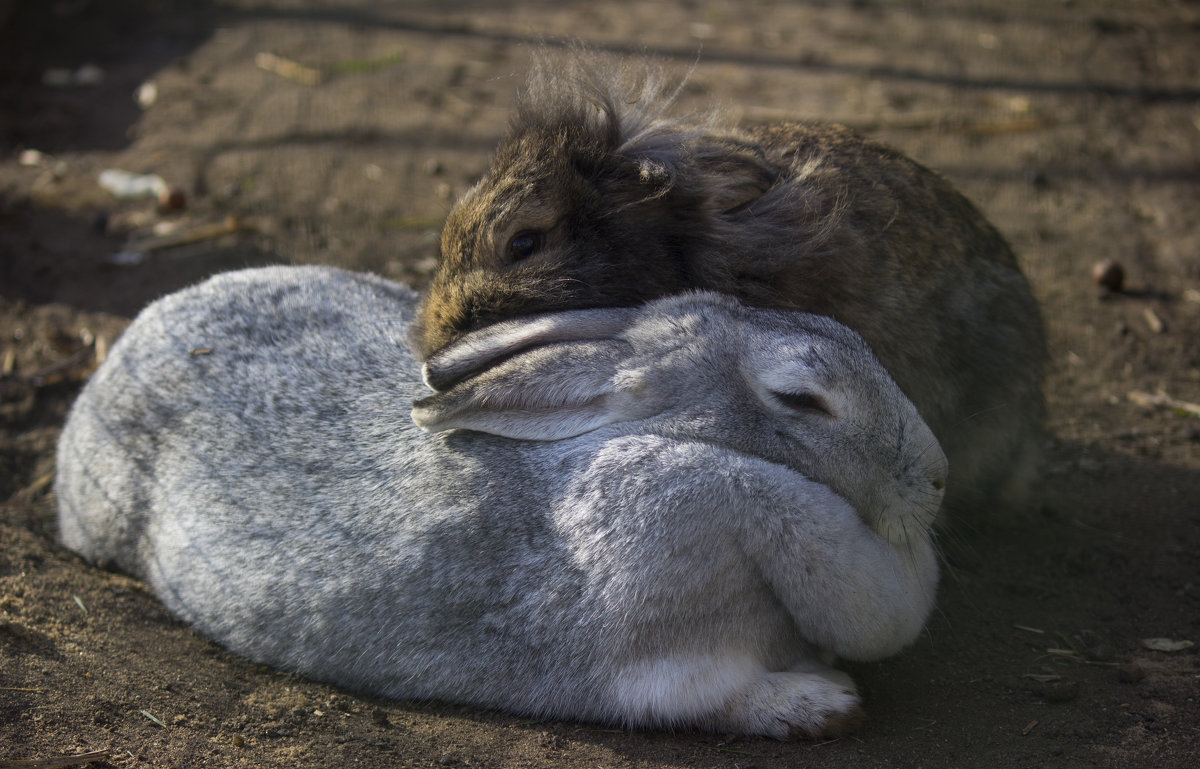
(1075, 126)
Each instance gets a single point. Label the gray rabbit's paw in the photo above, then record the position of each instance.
(813, 705)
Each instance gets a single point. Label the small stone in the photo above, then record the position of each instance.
(1131, 673)
(1108, 274)
(58, 77)
(1060, 691)
(146, 94)
(1100, 652)
(88, 74)
(172, 199)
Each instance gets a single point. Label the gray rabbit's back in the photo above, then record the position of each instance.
(265, 487)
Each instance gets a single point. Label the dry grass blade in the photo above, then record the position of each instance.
(1162, 399)
(288, 69)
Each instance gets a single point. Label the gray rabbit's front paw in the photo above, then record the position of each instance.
(811, 705)
(736, 695)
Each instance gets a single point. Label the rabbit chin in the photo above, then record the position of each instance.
(734, 692)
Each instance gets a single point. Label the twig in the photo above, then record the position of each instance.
(38, 378)
(1063, 652)
(26, 495)
(1162, 399)
(1155, 323)
(205, 232)
(1042, 678)
(727, 750)
(58, 762)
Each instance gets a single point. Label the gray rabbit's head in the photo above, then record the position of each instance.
(794, 389)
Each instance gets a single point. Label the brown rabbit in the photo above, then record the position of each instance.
(595, 198)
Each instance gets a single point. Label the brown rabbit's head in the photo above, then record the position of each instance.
(593, 199)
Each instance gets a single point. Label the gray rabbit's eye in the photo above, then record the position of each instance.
(525, 244)
(803, 402)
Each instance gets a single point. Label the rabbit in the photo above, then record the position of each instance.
(596, 198)
(671, 516)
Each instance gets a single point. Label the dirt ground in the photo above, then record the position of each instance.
(1074, 125)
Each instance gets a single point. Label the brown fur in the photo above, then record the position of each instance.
(632, 205)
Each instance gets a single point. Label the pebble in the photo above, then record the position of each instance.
(1131, 673)
(146, 94)
(1059, 691)
(123, 184)
(31, 158)
(1109, 274)
(172, 199)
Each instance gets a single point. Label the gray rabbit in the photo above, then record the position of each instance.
(595, 198)
(670, 516)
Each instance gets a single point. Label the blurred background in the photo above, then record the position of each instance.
(144, 145)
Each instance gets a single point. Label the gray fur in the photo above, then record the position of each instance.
(690, 550)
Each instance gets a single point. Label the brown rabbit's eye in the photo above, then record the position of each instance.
(525, 244)
(803, 402)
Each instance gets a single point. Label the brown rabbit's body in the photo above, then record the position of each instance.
(594, 199)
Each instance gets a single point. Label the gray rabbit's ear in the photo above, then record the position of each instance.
(480, 350)
(543, 378)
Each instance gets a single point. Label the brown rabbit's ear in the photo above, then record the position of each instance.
(725, 173)
(544, 378)
(730, 174)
